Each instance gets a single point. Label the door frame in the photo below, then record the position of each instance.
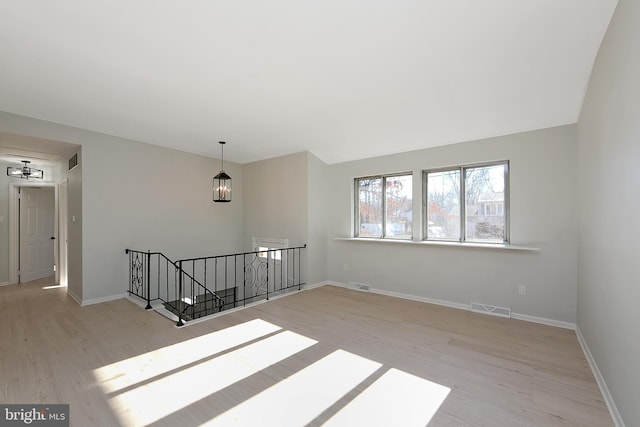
(62, 213)
(14, 228)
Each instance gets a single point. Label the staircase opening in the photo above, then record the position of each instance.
(191, 289)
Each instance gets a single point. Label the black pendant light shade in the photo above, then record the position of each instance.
(222, 183)
(25, 172)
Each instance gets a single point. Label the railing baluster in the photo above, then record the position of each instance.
(299, 271)
(148, 307)
(128, 252)
(180, 302)
(205, 286)
(159, 274)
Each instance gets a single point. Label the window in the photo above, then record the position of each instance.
(268, 247)
(384, 206)
(467, 203)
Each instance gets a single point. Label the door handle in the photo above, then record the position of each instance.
(53, 238)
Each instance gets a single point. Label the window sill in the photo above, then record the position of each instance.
(491, 246)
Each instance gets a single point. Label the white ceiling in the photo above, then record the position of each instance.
(344, 79)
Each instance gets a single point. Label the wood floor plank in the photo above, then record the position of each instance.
(500, 372)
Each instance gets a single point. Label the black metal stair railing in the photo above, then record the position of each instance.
(198, 287)
(248, 276)
(154, 277)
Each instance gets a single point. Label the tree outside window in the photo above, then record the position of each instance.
(384, 206)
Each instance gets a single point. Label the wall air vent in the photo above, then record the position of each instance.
(476, 307)
(73, 161)
(359, 286)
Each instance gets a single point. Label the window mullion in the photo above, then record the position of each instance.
(425, 205)
(507, 204)
(384, 206)
(463, 205)
(356, 208)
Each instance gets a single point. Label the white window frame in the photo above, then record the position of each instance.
(356, 205)
(463, 206)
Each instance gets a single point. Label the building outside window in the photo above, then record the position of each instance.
(467, 203)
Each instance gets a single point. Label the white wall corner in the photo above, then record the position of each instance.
(75, 297)
(318, 285)
(606, 394)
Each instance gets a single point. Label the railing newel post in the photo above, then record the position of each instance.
(148, 307)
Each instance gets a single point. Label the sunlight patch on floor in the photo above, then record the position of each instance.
(128, 372)
(54, 287)
(396, 398)
(150, 402)
(300, 398)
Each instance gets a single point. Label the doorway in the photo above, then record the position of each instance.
(33, 252)
(37, 208)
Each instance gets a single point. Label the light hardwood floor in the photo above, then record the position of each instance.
(306, 358)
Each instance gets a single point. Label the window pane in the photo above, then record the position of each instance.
(399, 205)
(370, 207)
(443, 205)
(484, 197)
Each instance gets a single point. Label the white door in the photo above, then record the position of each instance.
(36, 232)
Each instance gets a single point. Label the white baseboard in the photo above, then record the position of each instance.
(318, 285)
(457, 305)
(411, 297)
(4, 283)
(544, 321)
(103, 299)
(606, 394)
(75, 297)
(443, 303)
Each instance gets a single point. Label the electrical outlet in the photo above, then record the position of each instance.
(522, 290)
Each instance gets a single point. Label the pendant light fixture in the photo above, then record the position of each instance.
(25, 172)
(222, 183)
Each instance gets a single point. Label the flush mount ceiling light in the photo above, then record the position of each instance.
(25, 172)
(222, 183)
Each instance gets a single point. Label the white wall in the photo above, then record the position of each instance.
(275, 199)
(285, 197)
(141, 196)
(609, 218)
(4, 224)
(543, 214)
(317, 223)
(74, 229)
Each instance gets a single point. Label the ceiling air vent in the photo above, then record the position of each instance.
(73, 161)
